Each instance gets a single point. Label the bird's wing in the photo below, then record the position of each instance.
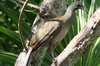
(45, 34)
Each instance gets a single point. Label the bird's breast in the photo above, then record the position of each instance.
(60, 36)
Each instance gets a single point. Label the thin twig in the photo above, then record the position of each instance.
(20, 25)
(29, 5)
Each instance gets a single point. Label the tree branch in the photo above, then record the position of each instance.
(29, 5)
(81, 42)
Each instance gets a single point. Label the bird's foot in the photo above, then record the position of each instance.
(53, 58)
(55, 62)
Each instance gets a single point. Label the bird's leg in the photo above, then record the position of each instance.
(52, 55)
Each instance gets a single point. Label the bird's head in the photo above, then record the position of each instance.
(76, 5)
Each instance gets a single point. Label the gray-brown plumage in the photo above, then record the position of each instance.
(54, 30)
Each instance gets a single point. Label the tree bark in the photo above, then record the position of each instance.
(81, 42)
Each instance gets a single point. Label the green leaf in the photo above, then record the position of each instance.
(8, 58)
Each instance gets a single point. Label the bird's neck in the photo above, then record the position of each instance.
(68, 15)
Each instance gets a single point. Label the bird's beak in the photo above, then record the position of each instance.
(82, 8)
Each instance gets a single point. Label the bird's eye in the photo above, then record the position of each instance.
(79, 5)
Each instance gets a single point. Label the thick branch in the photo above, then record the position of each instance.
(81, 42)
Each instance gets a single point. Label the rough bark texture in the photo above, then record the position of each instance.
(49, 9)
(81, 42)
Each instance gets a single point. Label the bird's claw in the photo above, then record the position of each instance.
(55, 62)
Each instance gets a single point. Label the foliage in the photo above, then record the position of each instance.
(10, 44)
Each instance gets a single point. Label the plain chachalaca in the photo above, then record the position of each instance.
(54, 30)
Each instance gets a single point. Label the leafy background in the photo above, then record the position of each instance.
(10, 44)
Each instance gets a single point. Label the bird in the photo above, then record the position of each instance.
(55, 29)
